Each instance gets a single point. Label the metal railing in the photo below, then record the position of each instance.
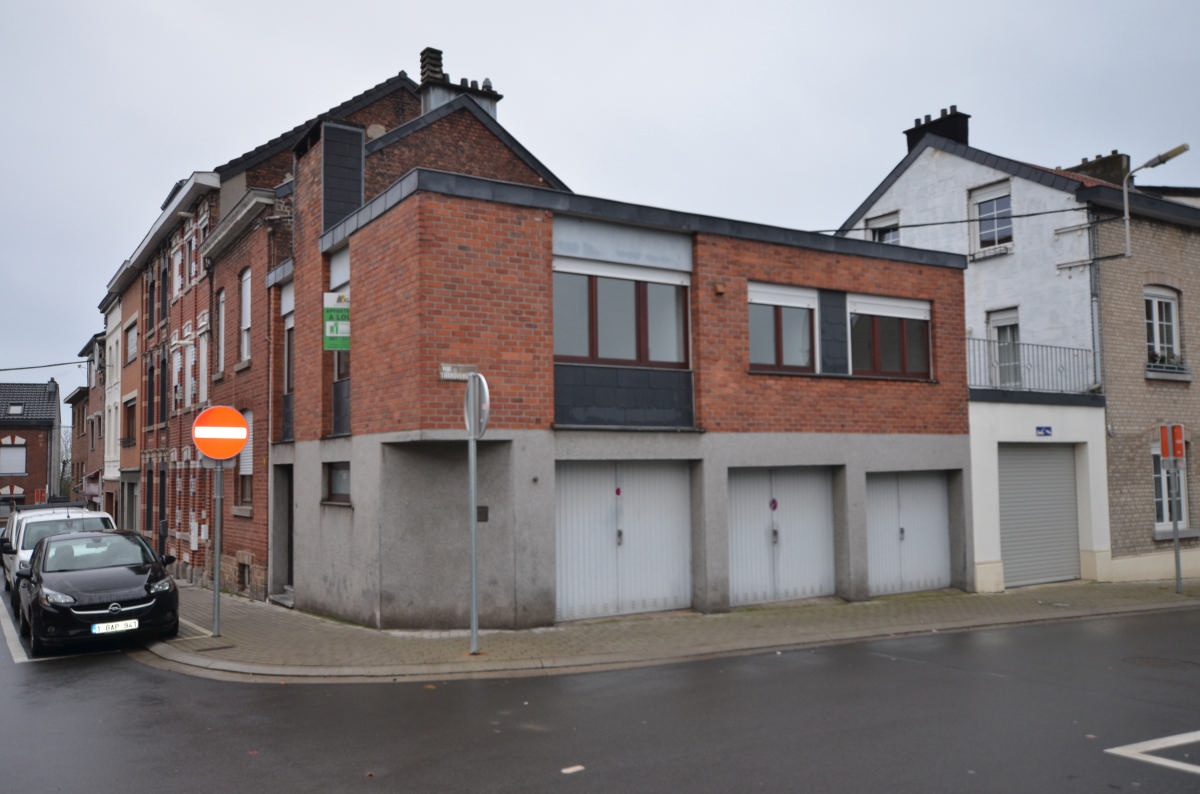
(1020, 366)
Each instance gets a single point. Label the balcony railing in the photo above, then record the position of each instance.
(1019, 366)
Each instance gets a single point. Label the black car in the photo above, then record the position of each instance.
(99, 584)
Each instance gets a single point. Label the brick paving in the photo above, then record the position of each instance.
(264, 640)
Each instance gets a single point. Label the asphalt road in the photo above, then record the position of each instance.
(1035, 708)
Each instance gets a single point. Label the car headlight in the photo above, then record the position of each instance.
(54, 598)
(162, 585)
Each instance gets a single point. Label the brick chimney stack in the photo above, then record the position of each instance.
(1111, 167)
(951, 124)
(431, 66)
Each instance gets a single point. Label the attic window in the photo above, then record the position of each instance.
(16, 409)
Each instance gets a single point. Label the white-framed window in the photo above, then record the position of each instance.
(1004, 333)
(889, 337)
(244, 316)
(620, 314)
(245, 470)
(783, 327)
(177, 261)
(991, 218)
(885, 228)
(12, 459)
(1169, 505)
(1162, 326)
(219, 364)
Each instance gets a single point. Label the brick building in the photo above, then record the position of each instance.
(685, 410)
(30, 443)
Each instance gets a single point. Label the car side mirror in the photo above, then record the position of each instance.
(168, 559)
(23, 573)
(6, 547)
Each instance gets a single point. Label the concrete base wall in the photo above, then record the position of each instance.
(399, 555)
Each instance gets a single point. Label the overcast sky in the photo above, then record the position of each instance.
(786, 113)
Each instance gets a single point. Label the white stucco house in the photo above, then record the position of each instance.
(1064, 331)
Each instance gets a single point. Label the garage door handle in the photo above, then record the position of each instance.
(901, 533)
(775, 535)
(620, 537)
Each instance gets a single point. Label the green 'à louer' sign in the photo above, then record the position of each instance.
(337, 321)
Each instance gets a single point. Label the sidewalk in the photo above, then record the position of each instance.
(263, 640)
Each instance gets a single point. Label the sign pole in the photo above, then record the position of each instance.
(220, 433)
(476, 408)
(218, 498)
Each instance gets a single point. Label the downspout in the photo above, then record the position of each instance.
(1094, 286)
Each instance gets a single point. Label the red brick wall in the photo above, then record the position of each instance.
(448, 280)
(729, 399)
(457, 143)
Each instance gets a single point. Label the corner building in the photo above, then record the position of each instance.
(686, 411)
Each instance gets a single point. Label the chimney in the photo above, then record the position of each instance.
(437, 90)
(1111, 167)
(950, 124)
(431, 66)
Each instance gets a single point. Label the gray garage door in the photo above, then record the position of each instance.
(1039, 523)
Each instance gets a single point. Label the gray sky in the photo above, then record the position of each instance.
(786, 112)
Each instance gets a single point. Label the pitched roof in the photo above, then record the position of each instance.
(1085, 188)
(38, 401)
(287, 140)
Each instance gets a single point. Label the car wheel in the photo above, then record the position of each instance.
(173, 631)
(36, 646)
(14, 598)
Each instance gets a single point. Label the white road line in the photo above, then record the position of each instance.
(1144, 751)
(11, 638)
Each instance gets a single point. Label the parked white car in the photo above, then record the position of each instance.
(32, 526)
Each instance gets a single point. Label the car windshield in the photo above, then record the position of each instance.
(35, 531)
(83, 554)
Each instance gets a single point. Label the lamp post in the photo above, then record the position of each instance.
(1152, 163)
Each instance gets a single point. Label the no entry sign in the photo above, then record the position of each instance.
(220, 432)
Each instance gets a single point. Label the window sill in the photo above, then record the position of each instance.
(328, 503)
(242, 365)
(1168, 372)
(242, 511)
(1168, 534)
(992, 251)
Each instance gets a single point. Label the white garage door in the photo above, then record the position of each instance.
(780, 534)
(1039, 522)
(623, 534)
(908, 532)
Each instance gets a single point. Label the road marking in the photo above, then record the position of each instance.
(1144, 751)
(12, 639)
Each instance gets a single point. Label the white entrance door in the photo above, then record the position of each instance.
(780, 535)
(908, 532)
(623, 538)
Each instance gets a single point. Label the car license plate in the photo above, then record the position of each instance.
(110, 628)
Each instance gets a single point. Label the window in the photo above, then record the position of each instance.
(12, 459)
(244, 316)
(889, 337)
(16, 409)
(163, 298)
(202, 371)
(991, 213)
(220, 326)
(1162, 328)
(620, 321)
(1004, 333)
(130, 423)
(337, 482)
(885, 228)
(177, 259)
(131, 341)
(1169, 505)
(289, 352)
(245, 470)
(782, 323)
